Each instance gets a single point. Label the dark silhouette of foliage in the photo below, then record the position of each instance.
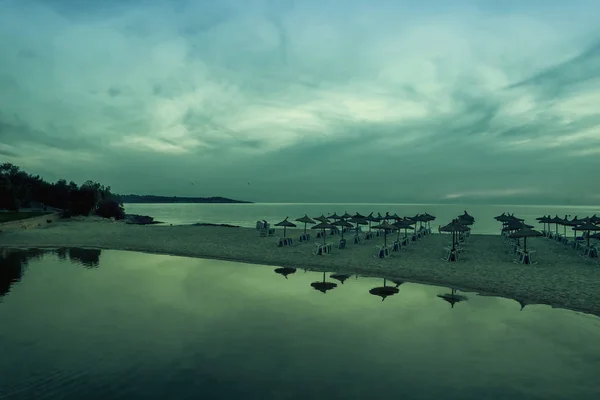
(20, 189)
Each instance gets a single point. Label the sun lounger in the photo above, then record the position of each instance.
(342, 244)
(284, 242)
(396, 246)
(452, 255)
(369, 235)
(382, 252)
(322, 249)
(305, 237)
(358, 239)
(271, 231)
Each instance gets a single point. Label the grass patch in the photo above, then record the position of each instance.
(16, 216)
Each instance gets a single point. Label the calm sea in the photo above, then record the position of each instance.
(247, 214)
(84, 324)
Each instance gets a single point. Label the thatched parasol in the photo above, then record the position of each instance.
(454, 227)
(323, 226)
(402, 224)
(588, 227)
(524, 233)
(346, 216)
(322, 218)
(285, 223)
(305, 220)
(343, 224)
(386, 227)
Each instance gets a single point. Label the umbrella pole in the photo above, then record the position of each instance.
(398, 239)
(588, 238)
(305, 228)
(525, 244)
(385, 238)
(284, 228)
(323, 235)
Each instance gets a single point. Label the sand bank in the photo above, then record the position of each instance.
(562, 278)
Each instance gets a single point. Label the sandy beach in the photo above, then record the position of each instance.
(561, 278)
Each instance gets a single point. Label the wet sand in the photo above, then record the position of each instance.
(561, 278)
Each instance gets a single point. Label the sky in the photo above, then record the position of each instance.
(307, 101)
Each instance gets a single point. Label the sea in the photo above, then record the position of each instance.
(246, 215)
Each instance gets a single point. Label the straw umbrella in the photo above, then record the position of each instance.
(322, 218)
(466, 215)
(556, 220)
(359, 216)
(346, 216)
(306, 220)
(524, 233)
(402, 224)
(500, 217)
(343, 224)
(323, 286)
(285, 223)
(386, 227)
(371, 218)
(358, 221)
(588, 226)
(334, 216)
(384, 291)
(323, 226)
(544, 220)
(454, 227)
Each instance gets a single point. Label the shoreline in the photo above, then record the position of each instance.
(561, 279)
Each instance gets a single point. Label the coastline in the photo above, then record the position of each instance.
(562, 278)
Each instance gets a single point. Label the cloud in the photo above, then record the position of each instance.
(289, 93)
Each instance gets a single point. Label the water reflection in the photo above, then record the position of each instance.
(454, 298)
(323, 286)
(88, 258)
(285, 271)
(12, 266)
(225, 330)
(384, 291)
(340, 277)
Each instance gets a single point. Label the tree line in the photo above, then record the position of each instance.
(19, 189)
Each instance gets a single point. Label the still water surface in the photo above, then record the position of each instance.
(84, 324)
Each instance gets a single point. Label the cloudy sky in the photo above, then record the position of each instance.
(289, 100)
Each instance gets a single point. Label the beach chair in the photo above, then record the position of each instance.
(358, 239)
(284, 242)
(369, 235)
(305, 237)
(404, 241)
(342, 244)
(271, 232)
(382, 251)
(452, 255)
(396, 246)
(322, 249)
(263, 232)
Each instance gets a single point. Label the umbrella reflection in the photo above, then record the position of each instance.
(397, 282)
(340, 277)
(384, 291)
(285, 271)
(452, 298)
(323, 286)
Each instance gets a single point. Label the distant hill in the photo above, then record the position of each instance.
(134, 198)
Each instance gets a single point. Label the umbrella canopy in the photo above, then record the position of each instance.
(466, 215)
(359, 221)
(396, 217)
(371, 218)
(465, 221)
(286, 224)
(334, 216)
(500, 217)
(429, 217)
(359, 216)
(595, 219)
(587, 226)
(386, 227)
(402, 224)
(344, 224)
(322, 218)
(513, 225)
(323, 226)
(524, 233)
(346, 216)
(454, 226)
(306, 220)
